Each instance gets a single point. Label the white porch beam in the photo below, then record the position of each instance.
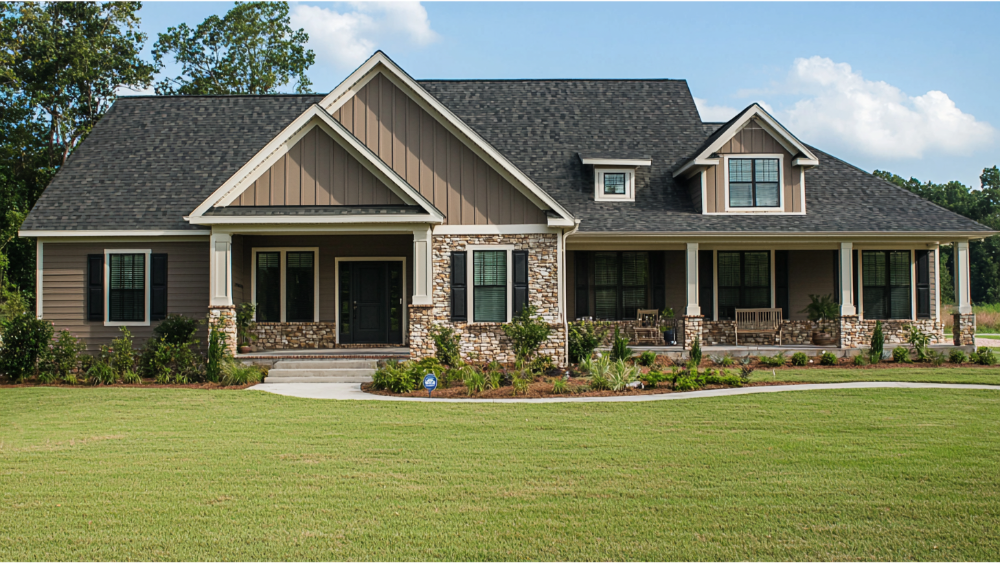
(221, 269)
(847, 279)
(691, 267)
(423, 267)
(963, 289)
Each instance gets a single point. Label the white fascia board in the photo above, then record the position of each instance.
(76, 234)
(560, 222)
(617, 161)
(807, 162)
(693, 166)
(493, 229)
(307, 220)
(380, 62)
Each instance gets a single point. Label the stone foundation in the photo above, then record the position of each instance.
(964, 329)
(421, 343)
(857, 333)
(224, 318)
(723, 333)
(303, 335)
(693, 328)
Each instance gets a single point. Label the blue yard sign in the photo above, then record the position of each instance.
(430, 383)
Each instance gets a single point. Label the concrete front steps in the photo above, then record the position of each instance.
(322, 371)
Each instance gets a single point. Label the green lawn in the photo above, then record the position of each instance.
(988, 376)
(884, 474)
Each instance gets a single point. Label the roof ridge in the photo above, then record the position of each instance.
(552, 80)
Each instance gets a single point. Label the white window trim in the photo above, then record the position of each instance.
(599, 194)
(781, 183)
(336, 290)
(107, 286)
(471, 288)
(281, 265)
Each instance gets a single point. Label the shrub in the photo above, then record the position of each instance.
(25, 340)
(121, 354)
(877, 343)
(520, 381)
(686, 383)
(800, 359)
(695, 353)
(168, 363)
(177, 329)
(647, 358)
(957, 356)
(446, 345)
(473, 379)
(900, 355)
(100, 373)
(983, 356)
(62, 358)
(559, 386)
(131, 378)
(622, 375)
(494, 379)
(238, 373)
(861, 360)
(774, 361)
(919, 341)
(584, 338)
(244, 323)
(619, 347)
(821, 307)
(542, 364)
(654, 378)
(936, 358)
(727, 361)
(828, 359)
(396, 377)
(599, 382)
(217, 354)
(724, 378)
(745, 372)
(527, 331)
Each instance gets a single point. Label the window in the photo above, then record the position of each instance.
(285, 287)
(754, 182)
(886, 279)
(614, 184)
(127, 288)
(621, 284)
(744, 281)
(489, 286)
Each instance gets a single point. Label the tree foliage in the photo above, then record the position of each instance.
(250, 50)
(982, 205)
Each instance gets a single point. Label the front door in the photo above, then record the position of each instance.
(371, 302)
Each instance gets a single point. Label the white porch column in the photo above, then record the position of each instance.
(423, 267)
(220, 276)
(691, 263)
(963, 289)
(847, 279)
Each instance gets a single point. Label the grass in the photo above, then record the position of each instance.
(987, 376)
(154, 474)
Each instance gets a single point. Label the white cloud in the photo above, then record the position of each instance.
(714, 113)
(843, 110)
(344, 39)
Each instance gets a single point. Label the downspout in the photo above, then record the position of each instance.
(562, 284)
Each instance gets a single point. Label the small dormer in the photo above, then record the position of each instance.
(614, 175)
(751, 164)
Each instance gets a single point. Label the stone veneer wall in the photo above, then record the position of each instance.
(487, 341)
(964, 330)
(693, 327)
(718, 333)
(224, 317)
(857, 333)
(300, 335)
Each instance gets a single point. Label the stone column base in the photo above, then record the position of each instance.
(964, 329)
(692, 329)
(420, 319)
(851, 334)
(224, 318)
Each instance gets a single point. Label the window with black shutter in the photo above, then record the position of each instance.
(886, 279)
(520, 258)
(923, 284)
(744, 281)
(459, 291)
(95, 287)
(157, 287)
(489, 286)
(126, 287)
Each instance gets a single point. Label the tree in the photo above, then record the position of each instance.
(250, 50)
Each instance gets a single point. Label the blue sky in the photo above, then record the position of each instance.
(906, 87)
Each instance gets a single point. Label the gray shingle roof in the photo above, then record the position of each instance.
(152, 160)
(541, 125)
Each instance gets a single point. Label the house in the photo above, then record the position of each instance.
(362, 217)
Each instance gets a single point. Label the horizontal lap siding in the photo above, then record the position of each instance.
(433, 160)
(753, 140)
(65, 297)
(810, 272)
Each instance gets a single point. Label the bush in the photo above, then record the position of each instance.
(473, 379)
(101, 373)
(861, 360)
(62, 358)
(396, 377)
(599, 382)
(983, 356)
(686, 383)
(647, 358)
(936, 358)
(170, 363)
(542, 364)
(131, 378)
(727, 361)
(957, 356)
(244, 323)
(776, 361)
(217, 354)
(494, 379)
(654, 378)
(919, 341)
(446, 345)
(877, 343)
(695, 353)
(559, 386)
(584, 338)
(900, 355)
(724, 378)
(521, 382)
(238, 373)
(745, 372)
(25, 340)
(800, 359)
(527, 332)
(121, 354)
(622, 375)
(177, 329)
(828, 359)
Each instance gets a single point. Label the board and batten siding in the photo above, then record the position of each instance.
(752, 139)
(433, 160)
(64, 289)
(317, 171)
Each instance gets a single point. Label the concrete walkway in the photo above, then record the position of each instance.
(352, 391)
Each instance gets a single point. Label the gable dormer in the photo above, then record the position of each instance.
(614, 175)
(751, 164)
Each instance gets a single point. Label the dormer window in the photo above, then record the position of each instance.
(754, 182)
(614, 175)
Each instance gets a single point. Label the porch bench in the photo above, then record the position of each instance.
(758, 321)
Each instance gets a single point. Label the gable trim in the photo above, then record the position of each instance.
(380, 62)
(284, 141)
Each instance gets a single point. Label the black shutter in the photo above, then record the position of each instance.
(582, 284)
(158, 287)
(459, 289)
(781, 281)
(923, 284)
(95, 287)
(706, 284)
(520, 280)
(658, 279)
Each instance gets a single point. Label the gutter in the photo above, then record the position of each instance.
(562, 283)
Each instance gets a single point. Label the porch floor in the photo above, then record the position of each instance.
(394, 353)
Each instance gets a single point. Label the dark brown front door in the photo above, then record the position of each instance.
(371, 302)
